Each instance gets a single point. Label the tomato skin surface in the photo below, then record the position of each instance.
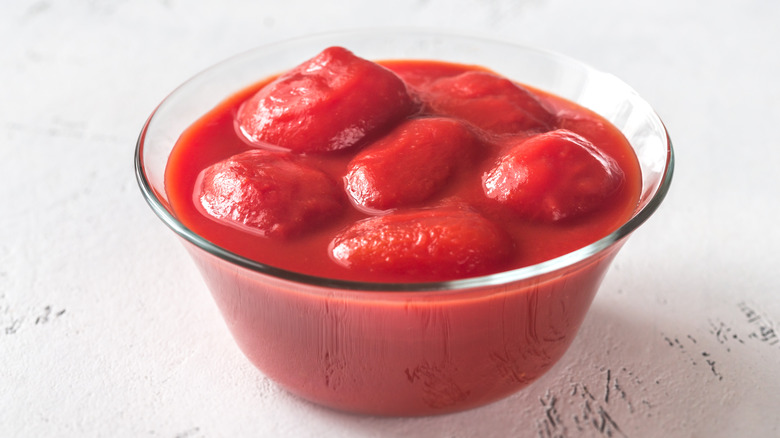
(553, 176)
(410, 164)
(413, 136)
(330, 102)
(431, 244)
(268, 193)
(490, 102)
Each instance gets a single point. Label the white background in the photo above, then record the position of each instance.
(106, 329)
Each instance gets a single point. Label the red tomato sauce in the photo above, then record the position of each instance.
(448, 168)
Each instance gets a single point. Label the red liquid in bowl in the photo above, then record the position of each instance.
(533, 240)
(416, 353)
(398, 353)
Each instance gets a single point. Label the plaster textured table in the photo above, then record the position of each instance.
(106, 329)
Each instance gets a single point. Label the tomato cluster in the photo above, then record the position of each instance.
(417, 151)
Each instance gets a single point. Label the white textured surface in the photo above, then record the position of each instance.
(107, 330)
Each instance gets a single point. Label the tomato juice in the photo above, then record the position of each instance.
(445, 172)
(454, 141)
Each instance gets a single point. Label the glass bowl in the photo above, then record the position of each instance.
(406, 348)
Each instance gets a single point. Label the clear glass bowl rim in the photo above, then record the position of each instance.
(501, 278)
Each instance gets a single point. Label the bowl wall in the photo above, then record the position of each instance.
(403, 353)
